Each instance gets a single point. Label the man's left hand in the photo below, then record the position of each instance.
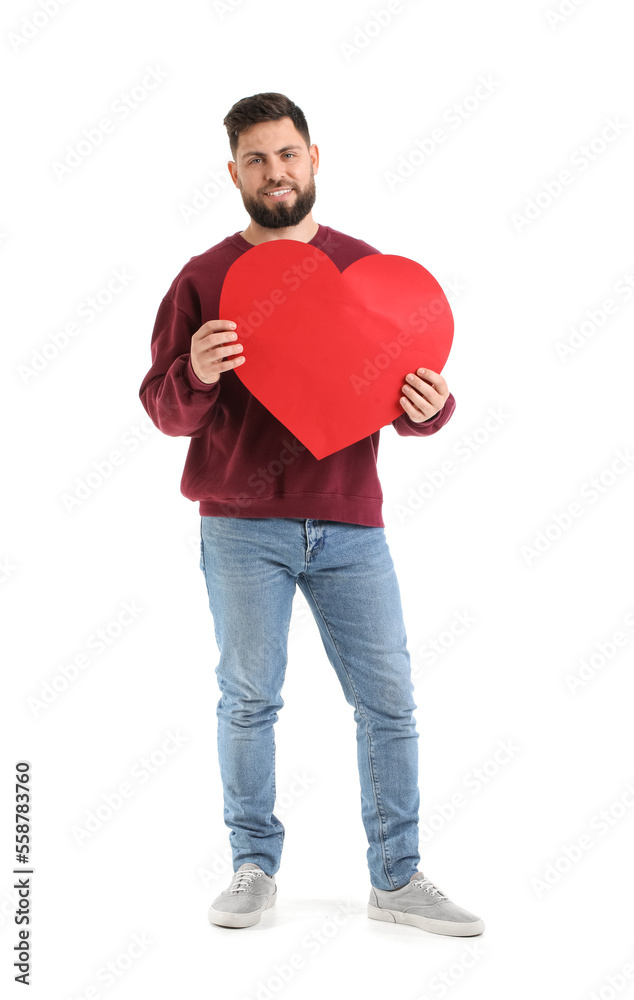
(424, 394)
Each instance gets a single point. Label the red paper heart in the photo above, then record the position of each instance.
(327, 352)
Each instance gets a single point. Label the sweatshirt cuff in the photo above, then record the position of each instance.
(196, 384)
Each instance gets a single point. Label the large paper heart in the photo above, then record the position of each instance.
(327, 352)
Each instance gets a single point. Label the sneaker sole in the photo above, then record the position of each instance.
(426, 923)
(223, 919)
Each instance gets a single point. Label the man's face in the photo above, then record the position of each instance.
(272, 156)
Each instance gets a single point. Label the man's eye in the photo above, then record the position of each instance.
(256, 158)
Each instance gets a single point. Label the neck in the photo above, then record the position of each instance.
(303, 232)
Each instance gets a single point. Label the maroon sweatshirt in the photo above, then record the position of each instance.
(241, 461)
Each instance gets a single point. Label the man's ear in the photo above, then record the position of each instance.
(233, 167)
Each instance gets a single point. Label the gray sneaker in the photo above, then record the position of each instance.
(251, 891)
(422, 904)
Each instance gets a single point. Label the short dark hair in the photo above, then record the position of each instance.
(267, 107)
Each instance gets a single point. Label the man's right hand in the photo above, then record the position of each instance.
(210, 347)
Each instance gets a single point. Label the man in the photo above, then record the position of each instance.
(273, 517)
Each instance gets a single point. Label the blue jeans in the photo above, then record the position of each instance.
(345, 571)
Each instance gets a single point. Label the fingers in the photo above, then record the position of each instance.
(414, 412)
(424, 394)
(213, 325)
(213, 348)
(218, 336)
(415, 386)
(423, 375)
(217, 331)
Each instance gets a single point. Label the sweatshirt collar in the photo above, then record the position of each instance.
(319, 239)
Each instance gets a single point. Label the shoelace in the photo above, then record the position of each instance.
(242, 880)
(429, 887)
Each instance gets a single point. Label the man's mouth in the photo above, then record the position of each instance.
(279, 194)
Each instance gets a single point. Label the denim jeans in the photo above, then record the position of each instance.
(252, 566)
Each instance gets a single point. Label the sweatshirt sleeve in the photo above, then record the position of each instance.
(176, 400)
(408, 428)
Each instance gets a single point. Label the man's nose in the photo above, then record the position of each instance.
(276, 175)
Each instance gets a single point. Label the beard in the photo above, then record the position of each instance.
(281, 214)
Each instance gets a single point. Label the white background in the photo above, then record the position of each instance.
(554, 927)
